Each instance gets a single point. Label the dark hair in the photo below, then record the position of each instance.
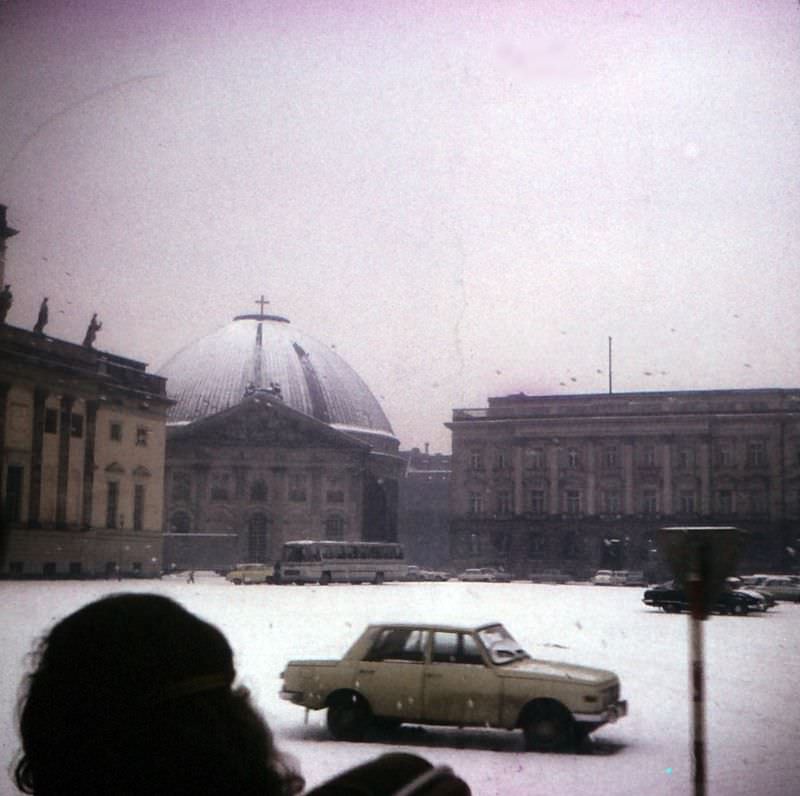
(132, 695)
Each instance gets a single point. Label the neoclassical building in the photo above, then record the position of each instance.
(273, 437)
(82, 435)
(580, 482)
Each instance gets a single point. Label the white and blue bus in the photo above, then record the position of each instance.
(340, 562)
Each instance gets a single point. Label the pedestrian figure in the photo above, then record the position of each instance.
(190, 579)
(91, 332)
(41, 321)
(6, 300)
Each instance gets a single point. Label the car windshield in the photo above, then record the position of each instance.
(501, 645)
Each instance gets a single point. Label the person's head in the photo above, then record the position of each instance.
(133, 695)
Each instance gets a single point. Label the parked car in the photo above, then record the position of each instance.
(608, 577)
(781, 587)
(634, 577)
(463, 676)
(549, 576)
(433, 575)
(251, 573)
(485, 575)
(673, 599)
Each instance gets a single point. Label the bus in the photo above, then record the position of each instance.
(340, 562)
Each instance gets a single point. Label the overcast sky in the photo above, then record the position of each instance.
(466, 199)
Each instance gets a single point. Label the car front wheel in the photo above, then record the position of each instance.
(548, 727)
(349, 718)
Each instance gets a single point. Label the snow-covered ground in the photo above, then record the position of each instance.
(753, 671)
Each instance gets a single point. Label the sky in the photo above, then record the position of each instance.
(466, 199)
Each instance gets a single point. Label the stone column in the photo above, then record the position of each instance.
(667, 506)
(4, 388)
(704, 467)
(519, 497)
(551, 456)
(64, 428)
(591, 479)
(37, 446)
(88, 464)
(627, 477)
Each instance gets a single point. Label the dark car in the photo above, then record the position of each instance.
(673, 599)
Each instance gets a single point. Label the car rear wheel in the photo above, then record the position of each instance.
(548, 727)
(325, 579)
(378, 580)
(349, 717)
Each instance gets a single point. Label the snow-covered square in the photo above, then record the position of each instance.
(752, 670)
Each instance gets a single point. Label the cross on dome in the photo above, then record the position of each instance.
(261, 302)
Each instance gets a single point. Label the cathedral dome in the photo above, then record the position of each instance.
(266, 353)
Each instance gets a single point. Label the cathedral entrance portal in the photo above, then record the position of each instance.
(257, 538)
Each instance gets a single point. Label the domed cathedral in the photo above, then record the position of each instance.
(273, 437)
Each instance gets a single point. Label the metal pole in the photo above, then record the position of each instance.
(697, 674)
(609, 366)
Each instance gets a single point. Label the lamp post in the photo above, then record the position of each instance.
(701, 558)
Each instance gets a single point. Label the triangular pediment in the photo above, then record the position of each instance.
(260, 421)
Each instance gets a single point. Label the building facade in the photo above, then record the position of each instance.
(581, 482)
(272, 438)
(82, 436)
(423, 510)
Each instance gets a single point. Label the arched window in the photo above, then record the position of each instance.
(180, 522)
(334, 527)
(258, 491)
(257, 538)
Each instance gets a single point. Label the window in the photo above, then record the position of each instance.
(258, 491)
(141, 435)
(138, 507)
(180, 522)
(181, 486)
(612, 502)
(686, 503)
(610, 456)
(758, 502)
(756, 454)
(475, 503)
(399, 644)
(13, 502)
(534, 458)
(51, 421)
(649, 455)
(476, 460)
(725, 456)
(573, 460)
(334, 527)
(537, 501)
(501, 461)
(649, 501)
(686, 458)
(536, 545)
(725, 501)
(220, 486)
(455, 648)
(112, 503)
(572, 501)
(297, 488)
(504, 502)
(501, 541)
(335, 496)
(115, 431)
(76, 425)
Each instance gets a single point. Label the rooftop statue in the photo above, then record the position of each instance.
(6, 300)
(91, 332)
(41, 321)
